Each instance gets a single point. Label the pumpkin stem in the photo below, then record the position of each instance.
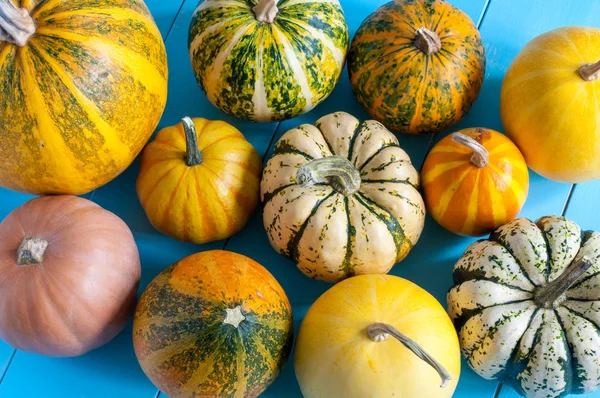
(590, 72)
(481, 156)
(16, 25)
(547, 295)
(234, 316)
(31, 250)
(266, 11)
(193, 156)
(381, 331)
(427, 41)
(336, 171)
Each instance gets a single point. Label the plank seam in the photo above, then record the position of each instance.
(568, 201)
(12, 356)
(498, 389)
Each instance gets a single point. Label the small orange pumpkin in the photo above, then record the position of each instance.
(474, 181)
(199, 180)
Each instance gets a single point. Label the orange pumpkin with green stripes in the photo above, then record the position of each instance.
(215, 324)
(199, 180)
(417, 66)
(474, 181)
(83, 85)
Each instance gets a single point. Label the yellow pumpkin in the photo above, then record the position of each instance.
(474, 181)
(199, 180)
(549, 104)
(377, 336)
(83, 85)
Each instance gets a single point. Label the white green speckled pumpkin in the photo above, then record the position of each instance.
(270, 60)
(526, 304)
(341, 198)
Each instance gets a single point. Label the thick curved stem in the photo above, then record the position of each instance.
(336, 171)
(427, 41)
(547, 295)
(266, 11)
(590, 72)
(31, 250)
(16, 25)
(193, 156)
(481, 156)
(381, 331)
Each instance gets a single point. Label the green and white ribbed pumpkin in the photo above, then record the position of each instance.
(526, 304)
(268, 61)
(341, 198)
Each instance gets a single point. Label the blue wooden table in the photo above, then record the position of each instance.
(112, 371)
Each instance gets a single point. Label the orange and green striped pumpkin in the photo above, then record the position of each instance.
(199, 180)
(474, 181)
(417, 66)
(83, 85)
(215, 324)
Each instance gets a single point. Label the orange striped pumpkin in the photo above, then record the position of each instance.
(474, 181)
(199, 180)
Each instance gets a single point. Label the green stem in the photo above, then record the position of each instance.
(381, 331)
(193, 156)
(16, 24)
(336, 171)
(547, 295)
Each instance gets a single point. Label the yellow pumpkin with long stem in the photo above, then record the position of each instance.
(199, 180)
(377, 336)
(549, 104)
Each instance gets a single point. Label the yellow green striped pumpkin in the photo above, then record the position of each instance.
(269, 61)
(83, 85)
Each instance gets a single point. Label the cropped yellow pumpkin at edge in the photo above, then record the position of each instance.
(82, 93)
(549, 104)
(199, 180)
(342, 352)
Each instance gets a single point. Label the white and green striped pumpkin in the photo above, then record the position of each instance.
(268, 61)
(526, 304)
(341, 198)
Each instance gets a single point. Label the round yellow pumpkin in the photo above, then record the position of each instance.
(83, 86)
(199, 180)
(474, 181)
(549, 104)
(377, 336)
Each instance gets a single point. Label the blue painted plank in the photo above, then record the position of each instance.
(583, 207)
(164, 13)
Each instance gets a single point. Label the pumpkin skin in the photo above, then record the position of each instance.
(48, 307)
(506, 332)
(405, 88)
(335, 357)
(208, 201)
(188, 339)
(471, 200)
(331, 235)
(549, 110)
(82, 97)
(268, 71)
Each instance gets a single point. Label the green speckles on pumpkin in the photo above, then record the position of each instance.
(42, 10)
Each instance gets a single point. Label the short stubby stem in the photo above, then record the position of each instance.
(427, 41)
(547, 296)
(193, 156)
(481, 156)
(266, 11)
(16, 24)
(590, 72)
(234, 316)
(31, 250)
(336, 171)
(379, 332)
